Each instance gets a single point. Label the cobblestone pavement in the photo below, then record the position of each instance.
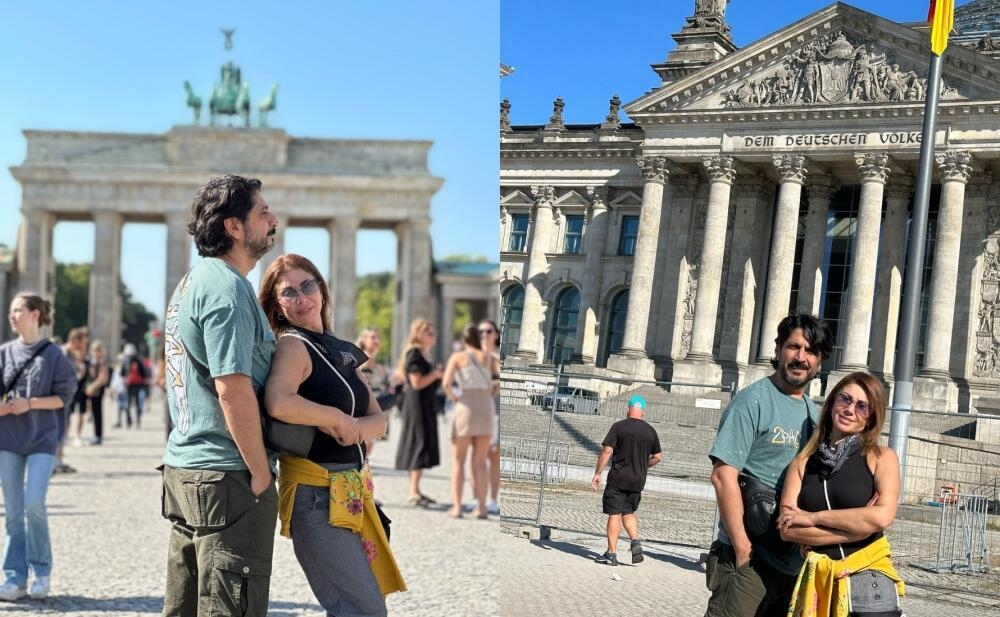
(109, 541)
(559, 577)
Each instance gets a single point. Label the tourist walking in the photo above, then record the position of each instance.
(38, 383)
(489, 338)
(325, 498)
(218, 483)
(134, 377)
(474, 412)
(76, 350)
(840, 494)
(760, 432)
(632, 446)
(377, 375)
(418, 447)
(98, 377)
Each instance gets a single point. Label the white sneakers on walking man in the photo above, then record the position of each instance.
(9, 592)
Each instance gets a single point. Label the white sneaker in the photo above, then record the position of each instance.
(10, 592)
(77, 442)
(40, 588)
(493, 508)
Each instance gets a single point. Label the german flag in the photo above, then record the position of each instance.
(941, 17)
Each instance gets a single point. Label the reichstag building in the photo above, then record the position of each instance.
(758, 181)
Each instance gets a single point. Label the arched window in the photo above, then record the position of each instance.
(615, 331)
(511, 308)
(563, 339)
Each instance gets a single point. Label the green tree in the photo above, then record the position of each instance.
(374, 306)
(72, 298)
(135, 320)
(461, 258)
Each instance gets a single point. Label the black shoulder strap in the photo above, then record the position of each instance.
(20, 369)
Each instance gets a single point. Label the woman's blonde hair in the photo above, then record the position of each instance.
(418, 328)
(874, 392)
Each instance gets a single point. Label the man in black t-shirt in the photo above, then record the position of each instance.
(633, 447)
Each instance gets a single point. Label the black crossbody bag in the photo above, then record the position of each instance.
(20, 370)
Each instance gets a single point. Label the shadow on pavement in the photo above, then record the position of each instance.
(566, 547)
(680, 561)
(128, 605)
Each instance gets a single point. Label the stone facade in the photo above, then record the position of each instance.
(756, 182)
(341, 185)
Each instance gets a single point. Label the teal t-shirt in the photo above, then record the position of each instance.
(214, 318)
(760, 433)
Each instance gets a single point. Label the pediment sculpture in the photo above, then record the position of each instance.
(832, 69)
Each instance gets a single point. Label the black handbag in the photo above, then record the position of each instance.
(760, 516)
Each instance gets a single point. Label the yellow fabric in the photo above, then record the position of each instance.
(942, 20)
(822, 588)
(351, 507)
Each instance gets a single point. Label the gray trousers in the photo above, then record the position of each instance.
(221, 543)
(332, 558)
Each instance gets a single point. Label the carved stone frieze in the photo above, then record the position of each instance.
(721, 168)
(753, 184)
(832, 69)
(954, 165)
(979, 184)
(684, 185)
(872, 166)
(791, 168)
(690, 296)
(987, 363)
(653, 169)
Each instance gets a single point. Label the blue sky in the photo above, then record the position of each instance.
(390, 69)
(587, 51)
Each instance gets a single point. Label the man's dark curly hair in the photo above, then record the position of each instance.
(221, 197)
(815, 330)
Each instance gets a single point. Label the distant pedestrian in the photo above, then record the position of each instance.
(218, 480)
(632, 446)
(135, 376)
(119, 392)
(98, 377)
(472, 427)
(489, 337)
(418, 447)
(38, 383)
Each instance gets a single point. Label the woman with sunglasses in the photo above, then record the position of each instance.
(840, 494)
(325, 499)
(489, 337)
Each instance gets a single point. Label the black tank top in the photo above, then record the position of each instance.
(325, 388)
(851, 487)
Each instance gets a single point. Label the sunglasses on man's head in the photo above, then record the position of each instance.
(307, 288)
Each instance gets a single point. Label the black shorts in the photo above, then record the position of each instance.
(617, 501)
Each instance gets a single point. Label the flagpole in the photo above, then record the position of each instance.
(902, 400)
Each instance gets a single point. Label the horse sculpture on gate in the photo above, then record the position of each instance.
(268, 103)
(193, 101)
(231, 96)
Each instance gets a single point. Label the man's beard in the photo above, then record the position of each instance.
(258, 247)
(797, 381)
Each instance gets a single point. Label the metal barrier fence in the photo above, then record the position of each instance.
(947, 528)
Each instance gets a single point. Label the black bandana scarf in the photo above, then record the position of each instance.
(829, 458)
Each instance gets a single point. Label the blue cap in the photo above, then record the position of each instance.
(637, 400)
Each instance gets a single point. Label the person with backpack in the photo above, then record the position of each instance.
(133, 371)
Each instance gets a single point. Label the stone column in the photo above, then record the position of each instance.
(531, 346)
(753, 195)
(676, 243)
(104, 313)
(937, 385)
(721, 172)
(178, 251)
(278, 248)
(654, 175)
(874, 171)
(34, 256)
(791, 174)
(889, 280)
(343, 275)
(595, 247)
(821, 190)
(447, 319)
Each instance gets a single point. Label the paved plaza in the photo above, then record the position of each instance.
(109, 541)
(556, 577)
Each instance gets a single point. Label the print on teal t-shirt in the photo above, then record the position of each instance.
(213, 318)
(760, 433)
